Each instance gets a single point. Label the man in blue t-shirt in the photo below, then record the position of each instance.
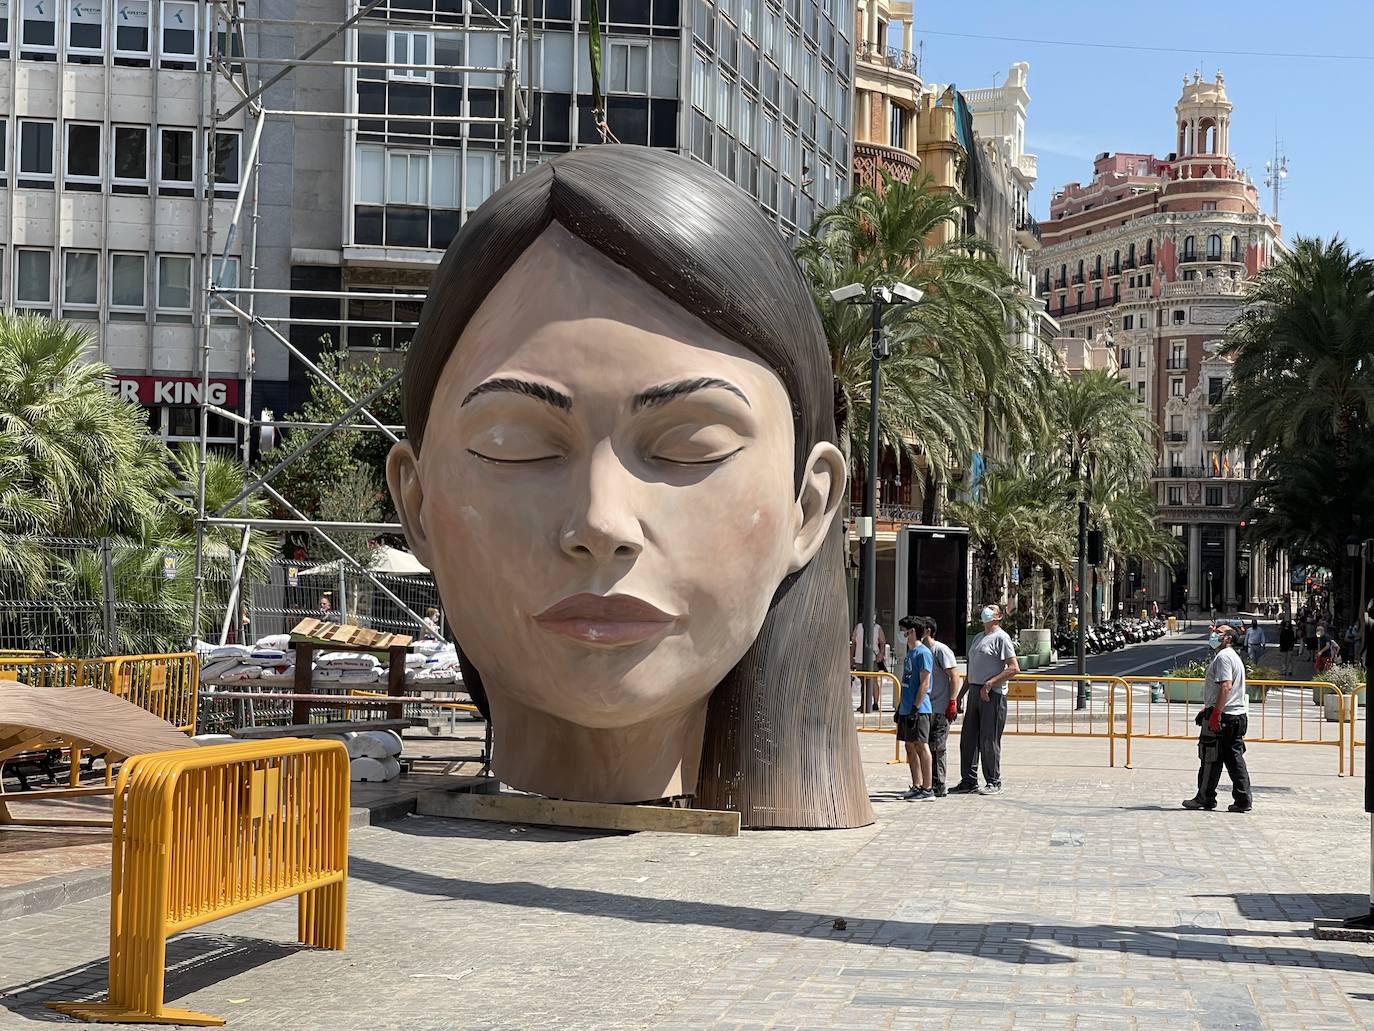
(913, 710)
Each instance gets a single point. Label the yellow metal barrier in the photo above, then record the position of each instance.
(1281, 712)
(43, 671)
(203, 833)
(1046, 705)
(872, 722)
(166, 685)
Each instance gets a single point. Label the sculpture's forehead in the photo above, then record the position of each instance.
(564, 308)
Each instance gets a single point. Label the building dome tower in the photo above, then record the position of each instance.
(1203, 116)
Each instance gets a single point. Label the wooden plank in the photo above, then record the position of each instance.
(43, 794)
(317, 729)
(549, 812)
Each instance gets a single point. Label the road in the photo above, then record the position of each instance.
(1149, 659)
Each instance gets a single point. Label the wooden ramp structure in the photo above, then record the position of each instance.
(34, 719)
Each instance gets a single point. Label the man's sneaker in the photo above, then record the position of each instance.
(940, 792)
(990, 789)
(911, 792)
(1233, 808)
(1197, 803)
(964, 788)
(922, 795)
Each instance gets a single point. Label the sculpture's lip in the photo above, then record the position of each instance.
(608, 620)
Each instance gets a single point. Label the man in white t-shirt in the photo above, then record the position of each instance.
(945, 681)
(1224, 718)
(991, 666)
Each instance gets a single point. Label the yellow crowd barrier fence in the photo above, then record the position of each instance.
(203, 833)
(1132, 708)
(872, 721)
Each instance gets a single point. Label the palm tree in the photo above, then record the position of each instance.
(954, 372)
(1302, 394)
(83, 459)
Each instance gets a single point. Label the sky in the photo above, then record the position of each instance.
(1089, 99)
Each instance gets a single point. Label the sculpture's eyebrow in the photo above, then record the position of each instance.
(666, 392)
(512, 385)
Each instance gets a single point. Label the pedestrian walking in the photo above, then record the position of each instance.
(1309, 637)
(945, 684)
(1287, 638)
(914, 709)
(1224, 720)
(991, 666)
(1255, 642)
(870, 688)
(1327, 652)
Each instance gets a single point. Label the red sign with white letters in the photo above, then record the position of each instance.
(175, 390)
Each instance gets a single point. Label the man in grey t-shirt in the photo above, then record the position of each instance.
(1224, 719)
(945, 681)
(991, 666)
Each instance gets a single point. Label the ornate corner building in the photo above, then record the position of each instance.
(1145, 267)
(887, 95)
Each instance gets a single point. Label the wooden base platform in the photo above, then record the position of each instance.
(509, 807)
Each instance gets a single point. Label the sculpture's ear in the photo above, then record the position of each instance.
(403, 477)
(820, 496)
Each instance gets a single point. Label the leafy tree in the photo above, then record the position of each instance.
(317, 474)
(1302, 396)
(954, 372)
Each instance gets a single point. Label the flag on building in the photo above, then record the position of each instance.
(1216, 466)
(1226, 464)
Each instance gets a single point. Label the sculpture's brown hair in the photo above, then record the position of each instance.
(780, 745)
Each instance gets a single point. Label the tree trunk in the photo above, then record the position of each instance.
(929, 489)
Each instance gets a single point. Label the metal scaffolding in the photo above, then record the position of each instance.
(248, 77)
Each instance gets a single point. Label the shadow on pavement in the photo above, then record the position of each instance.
(1008, 941)
(1297, 907)
(194, 962)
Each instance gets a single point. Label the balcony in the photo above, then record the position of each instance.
(1114, 270)
(890, 57)
(1175, 436)
(1096, 274)
(1028, 232)
(891, 514)
(1129, 263)
(1077, 279)
(1061, 284)
(872, 158)
(1181, 472)
(1176, 364)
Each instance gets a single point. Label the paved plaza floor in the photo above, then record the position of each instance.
(1081, 898)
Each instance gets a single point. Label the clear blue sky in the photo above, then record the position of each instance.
(1085, 100)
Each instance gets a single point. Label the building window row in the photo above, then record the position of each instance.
(88, 30)
(1189, 250)
(134, 157)
(75, 281)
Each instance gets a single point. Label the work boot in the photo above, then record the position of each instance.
(964, 788)
(1197, 803)
(1233, 808)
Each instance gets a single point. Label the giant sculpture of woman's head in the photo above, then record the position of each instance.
(621, 468)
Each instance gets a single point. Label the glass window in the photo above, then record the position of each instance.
(1176, 387)
(130, 154)
(33, 277)
(127, 280)
(131, 28)
(725, 97)
(443, 187)
(226, 274)
(35, 148)
(369, 176)
(80, 279)
(38, 30)
(173, 282)
(409, 48)
(767, 136)
(407, 177)
(228, 168)
(748, 109)
(479, 177)
(85, 27)
(1214, 496)
(699, 91)
(629, 68)
(83, 151)
(177, 158)
(178, 30)
(1175, 495)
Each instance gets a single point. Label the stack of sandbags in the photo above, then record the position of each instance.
(437, 665)
(373, 755)
(348, 669)
(266, 662)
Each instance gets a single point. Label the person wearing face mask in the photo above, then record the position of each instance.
(945, 691)
(991, 666)
(1328, 651)
(914, 710)
(1223, 720)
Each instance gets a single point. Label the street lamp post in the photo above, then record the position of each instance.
(879, 298)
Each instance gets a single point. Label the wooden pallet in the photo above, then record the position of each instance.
(342, 635)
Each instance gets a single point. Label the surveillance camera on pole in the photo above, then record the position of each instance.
(845, 294)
